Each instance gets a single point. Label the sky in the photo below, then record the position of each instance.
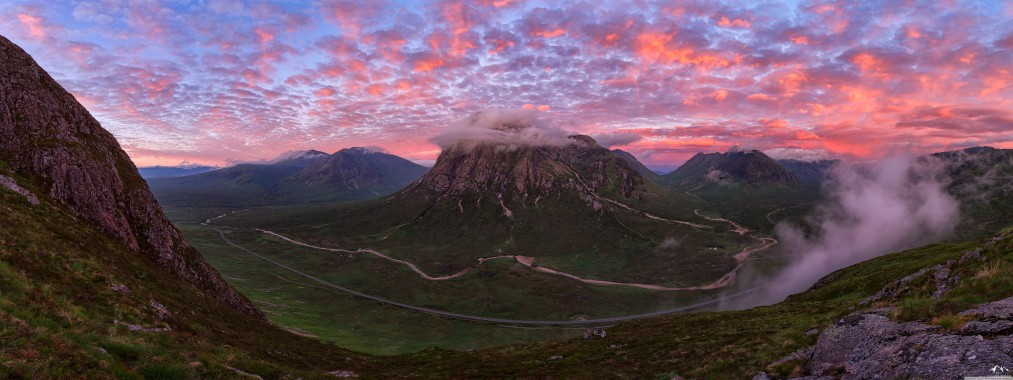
(225, 81)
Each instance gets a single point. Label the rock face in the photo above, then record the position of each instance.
(48, 137)
(522, 174)
(12, 185)
(870, 346)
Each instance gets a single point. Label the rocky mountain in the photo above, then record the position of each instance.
(569, 200)
(490, 196)
(526, 174)
(299, 157)
(634, 163)
(296, 177)
(49, 139)
(734, 168)
(172, 171)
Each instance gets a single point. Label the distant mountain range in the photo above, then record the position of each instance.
(173, 171)
(573, 204)
(298, 177)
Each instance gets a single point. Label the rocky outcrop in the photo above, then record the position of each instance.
(51, 139)
(12, 185)
(869, 345)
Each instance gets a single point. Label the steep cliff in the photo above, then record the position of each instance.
(51, 139)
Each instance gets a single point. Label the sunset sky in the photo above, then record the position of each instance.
(222, 81)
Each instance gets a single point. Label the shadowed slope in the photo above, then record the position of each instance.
(49, 138)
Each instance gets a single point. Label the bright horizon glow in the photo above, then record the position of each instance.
(223, 81)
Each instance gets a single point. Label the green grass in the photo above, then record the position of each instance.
(502, 289)
(57, 311)
(57, 308)
(735, 344)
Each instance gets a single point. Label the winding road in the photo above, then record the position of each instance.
(530, 263)
(475, 318)
(725, 280)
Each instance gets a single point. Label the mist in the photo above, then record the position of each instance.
(872, 209)
(508, 127)
(611, 140)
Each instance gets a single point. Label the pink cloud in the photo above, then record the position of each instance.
(34, 25)
(257, 78)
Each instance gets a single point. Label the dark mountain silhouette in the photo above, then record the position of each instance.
(749, 168)
(172, 171)
(293, 178)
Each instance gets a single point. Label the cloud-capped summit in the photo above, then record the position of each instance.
(511, 127)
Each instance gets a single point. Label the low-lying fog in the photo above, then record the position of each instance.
(870, 210)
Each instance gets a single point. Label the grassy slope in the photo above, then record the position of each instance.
(735, 344)
(57, 311)
(563, 233)
(57, 307)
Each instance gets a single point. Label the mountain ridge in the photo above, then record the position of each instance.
(298, 177)
(644, 171)
(750, 168)
(159, 171)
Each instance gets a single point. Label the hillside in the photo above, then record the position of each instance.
(94, 281)
(931, 291)
(52, 141)
(77, 302)
(749, 186)
(735, 169)
(634, 163)
(982, 180)
(809, 173)
(300, 177)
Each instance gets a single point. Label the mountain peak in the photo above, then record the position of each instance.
(522, 173)
(361, 150)
(735, 167)
(310, 154)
